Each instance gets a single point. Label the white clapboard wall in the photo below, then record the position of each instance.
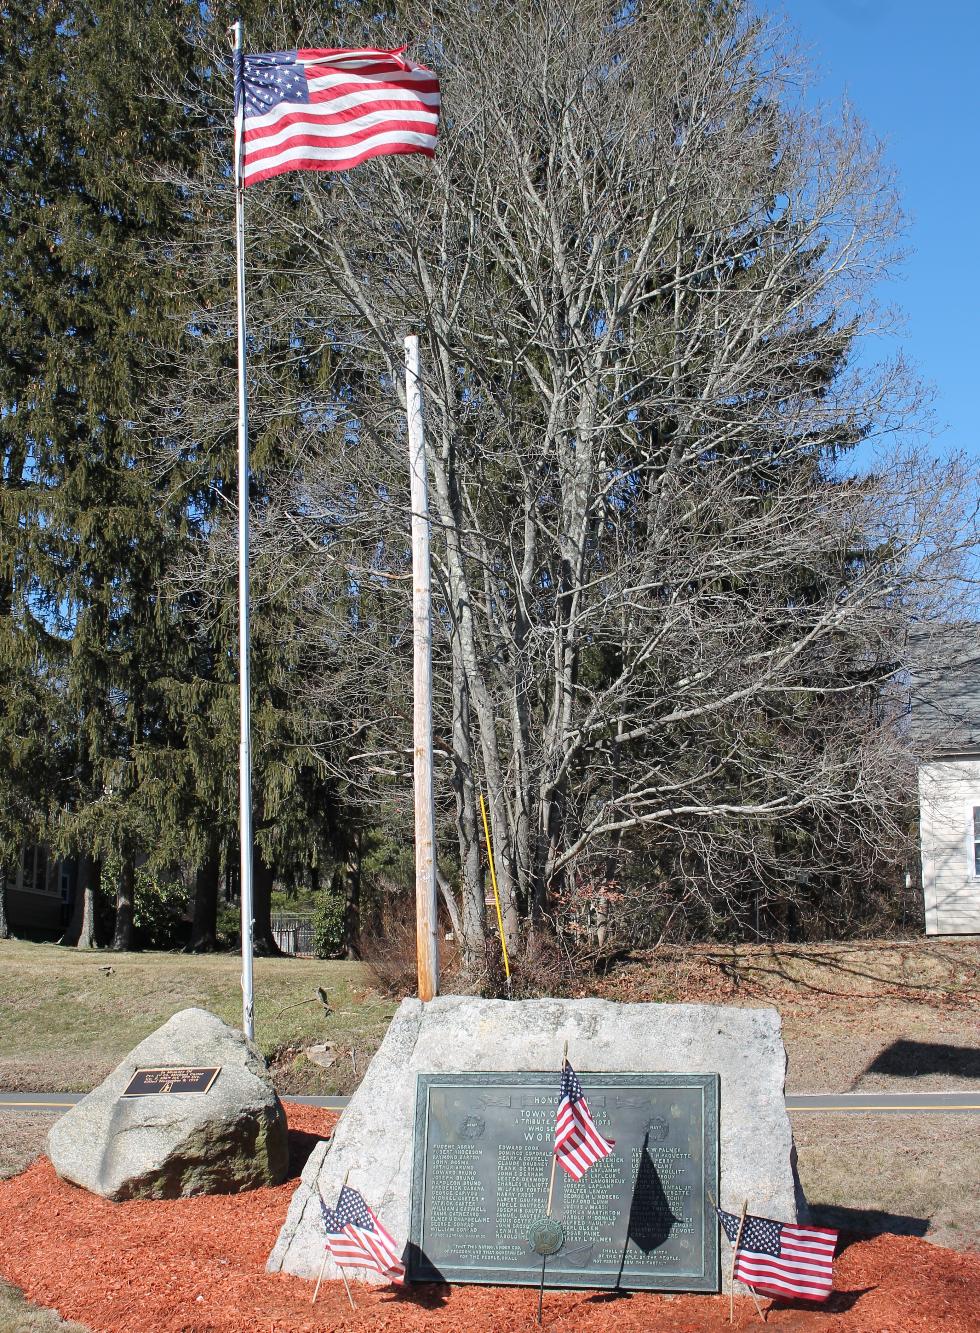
(949, 818)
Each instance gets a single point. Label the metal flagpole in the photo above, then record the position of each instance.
(244, 675)
(425, 860)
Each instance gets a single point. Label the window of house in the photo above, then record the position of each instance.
(976, 840)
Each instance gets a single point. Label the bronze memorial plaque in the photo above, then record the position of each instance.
(640, 1218)
(152, 1082)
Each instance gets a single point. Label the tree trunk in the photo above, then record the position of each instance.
(474, 923)
(207, 881)
(87, 932)
(73, 929)
(352, 901)
(263, 878)
(122, 939)
(4, 923)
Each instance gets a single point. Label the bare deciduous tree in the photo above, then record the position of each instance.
(672, 620)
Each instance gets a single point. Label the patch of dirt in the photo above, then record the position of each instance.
(867, 1016)
(198, 1266)
(22, 1139)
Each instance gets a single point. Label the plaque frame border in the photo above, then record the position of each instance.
(213, 1070)
(421, 1269)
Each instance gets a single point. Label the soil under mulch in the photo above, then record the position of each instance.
(198, 1266)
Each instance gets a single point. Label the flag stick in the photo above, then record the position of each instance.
(323, 1264)
(343, 1274)
(544, 1260)
(554, 1154)
(427, 945)
(319, 1277)
(244, 680)
(496, 893)
(731, 1279)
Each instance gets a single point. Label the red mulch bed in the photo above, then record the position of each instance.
(198, 1266)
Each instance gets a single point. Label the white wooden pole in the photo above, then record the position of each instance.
(425, 858)
(244, 674)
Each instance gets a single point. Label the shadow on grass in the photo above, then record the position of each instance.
(778, 962)
(912, 1059)
(856, 1224)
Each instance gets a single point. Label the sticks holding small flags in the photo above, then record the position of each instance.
(578, 1143)
(306, 110)
(781, 1259)
(356, 1239)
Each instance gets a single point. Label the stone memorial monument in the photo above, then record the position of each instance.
(449, 1138)
(191, 1110)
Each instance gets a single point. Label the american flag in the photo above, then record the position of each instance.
(782, 1259)
(578, 1144)
(356, 1238)
(329, 110)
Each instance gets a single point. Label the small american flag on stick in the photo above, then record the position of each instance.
(356, 1238)
(782, 1259)
(328, 110)
(578, 1144)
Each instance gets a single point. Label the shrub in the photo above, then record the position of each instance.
(329, 935)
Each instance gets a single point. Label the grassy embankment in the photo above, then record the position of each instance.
(68, 1017)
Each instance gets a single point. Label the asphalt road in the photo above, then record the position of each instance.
(960, 1102)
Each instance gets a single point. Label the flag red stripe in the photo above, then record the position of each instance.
(303, 138)
(776, 1288)
(315, 117)
(772, 1273)
(335, 164)
(766, 1263)
(408, 86)
(363, 104)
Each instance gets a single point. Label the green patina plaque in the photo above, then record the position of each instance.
(640, 1218)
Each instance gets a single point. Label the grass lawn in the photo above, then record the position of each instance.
(66, 1020)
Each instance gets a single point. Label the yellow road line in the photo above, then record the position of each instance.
(15, 1105)
(890, 1106)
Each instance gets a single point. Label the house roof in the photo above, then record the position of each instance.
(945, 690)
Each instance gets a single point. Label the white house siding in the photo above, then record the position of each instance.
(948, 791)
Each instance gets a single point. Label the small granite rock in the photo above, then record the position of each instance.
(168, 1146)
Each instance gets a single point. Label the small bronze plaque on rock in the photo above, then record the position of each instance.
(153, 1082)
(640, 1218)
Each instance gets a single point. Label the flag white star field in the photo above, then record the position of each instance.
(329, 110)
(782, 1259)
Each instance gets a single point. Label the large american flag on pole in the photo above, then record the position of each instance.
(578, 1144)
(356, 1238)
(327, 110)
(782, 1259)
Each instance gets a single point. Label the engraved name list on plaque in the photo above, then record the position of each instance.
(640, 1218)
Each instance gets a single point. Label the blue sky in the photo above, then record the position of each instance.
(912, 71)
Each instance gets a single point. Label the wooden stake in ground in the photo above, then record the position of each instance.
(551, 1185)
(554, 1155)
(731, 1276)
(425, 814)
